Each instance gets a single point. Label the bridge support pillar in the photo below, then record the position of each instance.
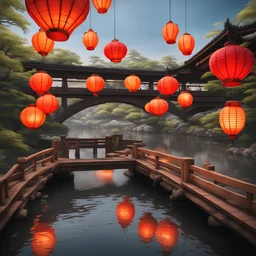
(151, 85)
(77, 148)
(109, 145)
(64, 102)
(64, 146)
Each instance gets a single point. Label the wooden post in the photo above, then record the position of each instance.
(77, 148)
(210, 167)
(135, 150)
(6, 187)
(43, 163)
(109, 145)
(185, 168)
(21, 161)
(95, 147)
(2, 194)
(55, 146)
(157, 162)
(64, 148)
(34, 164)
(249, 199)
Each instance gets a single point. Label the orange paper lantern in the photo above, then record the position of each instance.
(147, 227)
(102, 6)
(90, 40)
(125, 212)
(95, 84)
(44, 240)
(40, 82)
(132, 83)
(231, 64)
(147, 108)
(158, 106)
(105, 175)
(232, 119)
(41, 43)
(167, 234)
(58, 18)
(170, 32)
(186, 44)
(32, 117)
(167, 85)
(115, 51)
(185, 99)
(48, 103)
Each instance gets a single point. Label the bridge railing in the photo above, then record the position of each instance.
(25, 165)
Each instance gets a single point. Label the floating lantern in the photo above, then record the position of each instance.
(186, 44)
(132, 83)
(115, 51)
(167, 234)
(102, 6)
(125, 212)
(41, 43)
(158, 106)
(40, 82)
(232, 119)
(44, 240)
(147, 227)
(147, 108)
(32, 117)
(48, 103)
(105, 175)
(167, 85)
(95, 84)
(185, 99)
(58, 18)
(90, 40)
(170, 32)
(231, 64)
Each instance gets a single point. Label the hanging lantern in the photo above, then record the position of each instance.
(44, 240)
(158, 106)
(115, 51)
(232, 119)
(90, 40)
(167, 85)
(95, 84)
(185, 99)
(102, 6)
(147, 227)
(170, 32)
(40, 82)
(186, 44)
(48, 103)
(105, 176)
(147, 108)
(132, 83)
(41, 43)
(167, 234)
(32, 117)
(125, 212)
(231, 64)
(58, 18)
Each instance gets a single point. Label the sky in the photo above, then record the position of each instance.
(139, 25)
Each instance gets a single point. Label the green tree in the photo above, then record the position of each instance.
(248, 14)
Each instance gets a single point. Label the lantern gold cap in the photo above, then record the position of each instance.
(233, 103)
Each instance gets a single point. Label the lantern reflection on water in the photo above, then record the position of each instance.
(44, 239)
(105, 176)
(167, 234)
(125, 212)
(147, 227)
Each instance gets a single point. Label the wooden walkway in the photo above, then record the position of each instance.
(211, 191)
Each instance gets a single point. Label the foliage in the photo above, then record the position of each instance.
(152, 120)
(210, 120)
(248, 14)
(102, 113)
(115, 131)
(118, 112)
(133, 116)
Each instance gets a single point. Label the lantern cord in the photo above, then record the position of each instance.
(90, 18)
(185, 16)
(114, 19)
(170, 13)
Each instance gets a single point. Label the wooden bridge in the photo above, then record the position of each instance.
(228, 201)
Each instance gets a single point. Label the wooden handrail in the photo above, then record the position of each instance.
(7, 175)
(38, 154)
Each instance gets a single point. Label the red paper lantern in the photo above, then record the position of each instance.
(167, 234)
(170, 32)
(90, 40)
(102, 6)
(132, 83)
(147, 227)
(186, 44)
(48, 103)
(231, 64)
(125, 212)
(115, 51)
(41, 43)
(147, 108)
(95, 84)
(105, 175)
(167, 85)
(158, 106)
(185, 99)
(232, 119)
(40, 82)
(58, 18)
(32, 117)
